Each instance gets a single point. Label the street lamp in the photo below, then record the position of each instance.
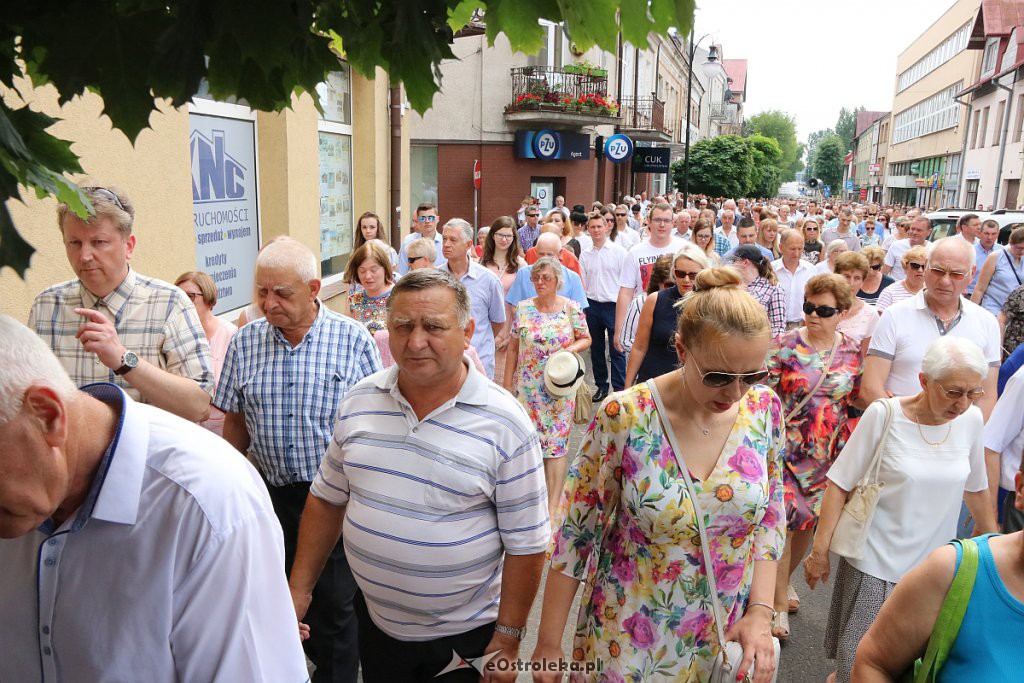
(712, 67)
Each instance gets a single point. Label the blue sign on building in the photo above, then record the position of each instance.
(550, 145)
(618, 148)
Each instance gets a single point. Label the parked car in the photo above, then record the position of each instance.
(1008, 219)
(944, 221)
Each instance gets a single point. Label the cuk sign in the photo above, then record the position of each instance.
(224, 208)
(651, 160)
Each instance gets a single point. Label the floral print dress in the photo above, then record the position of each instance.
(371, 311)
(540, 335)
(816, 434)
(630, 534)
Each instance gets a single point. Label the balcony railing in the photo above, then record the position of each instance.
(570, 89)
(719, 111)
(645, 114)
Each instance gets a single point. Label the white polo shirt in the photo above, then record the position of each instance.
(433, 505)
(601, 270)
(1004, 431)
(171, 570)
(908, 327)
(894, 257)
(793, 286)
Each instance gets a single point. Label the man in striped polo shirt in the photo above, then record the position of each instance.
(436, 475)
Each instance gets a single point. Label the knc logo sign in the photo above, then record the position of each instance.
(458, 662)
(216, 175)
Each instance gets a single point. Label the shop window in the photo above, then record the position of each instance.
(423, 174)
(335, 155)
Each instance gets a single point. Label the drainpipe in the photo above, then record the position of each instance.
(395, 106)
(1002, 142)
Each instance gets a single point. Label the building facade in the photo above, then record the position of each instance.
(928, 121)
(870, 145)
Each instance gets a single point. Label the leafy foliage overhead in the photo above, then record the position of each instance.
(846, 126)
(132, 52)
(782, 128)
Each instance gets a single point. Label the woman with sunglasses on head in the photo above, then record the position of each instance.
(815, 370)
(812, 244)
(915, 263)
(632, 530)
(653, 352)
(875, 282)
(932, 456)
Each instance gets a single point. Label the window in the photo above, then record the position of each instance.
(988, 63)
(971, 193)
(998, 123)
(1020, 119)
(938, 112)
(945, 51)
(335, 152)
(974, 128)
(984, 127)
(423, 174)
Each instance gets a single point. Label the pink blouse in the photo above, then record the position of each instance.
(218, 349)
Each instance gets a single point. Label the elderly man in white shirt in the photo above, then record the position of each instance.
(135, 545)
(793, 273)
(1004, 445)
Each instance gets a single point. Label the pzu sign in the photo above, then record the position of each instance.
(215, 174)
(618, 148)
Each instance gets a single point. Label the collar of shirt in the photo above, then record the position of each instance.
(472, 392)
(922, 304)
(116, 488)
(116, 300)
(315, 327)
(475, 270)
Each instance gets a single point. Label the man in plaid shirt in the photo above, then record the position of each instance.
(282, 381)
(111, 324)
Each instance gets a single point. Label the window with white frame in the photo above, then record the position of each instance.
(938, 112)
(335, 152)
(988, 63)
(945, 51)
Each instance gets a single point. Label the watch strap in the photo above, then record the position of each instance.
(517, 633)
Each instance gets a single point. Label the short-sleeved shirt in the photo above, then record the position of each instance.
(919, 505)
(290, 395)
(894, 257)
(980, 254)
(154, 319)
(723, 242)
(640, 260)
(602, 267)
(522, 288)
(851, 238)
(172, 569)
(486, 305)
(528, 236)
(908, 327)
(1004, 431)
(433, 505)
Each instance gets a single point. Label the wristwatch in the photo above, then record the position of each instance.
(129, 361)
(517, 633)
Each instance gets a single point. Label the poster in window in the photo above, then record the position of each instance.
(335, 195)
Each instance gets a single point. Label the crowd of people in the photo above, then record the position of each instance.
(773, 381)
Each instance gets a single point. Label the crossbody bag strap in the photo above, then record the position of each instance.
(951, 614)
(705, 547)
(821, 380)
(871, 476)
(1013, 268)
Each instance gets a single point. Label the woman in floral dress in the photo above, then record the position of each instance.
(541, 326)
(630, 532)
(816, 417)
(370, 267)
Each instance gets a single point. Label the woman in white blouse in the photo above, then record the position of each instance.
(932, 459)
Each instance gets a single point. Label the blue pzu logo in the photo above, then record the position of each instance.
(216, 175)
(618, 148)
(546, 144)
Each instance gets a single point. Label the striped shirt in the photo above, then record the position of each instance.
(290, 395)
(154, 320)
(432, 505)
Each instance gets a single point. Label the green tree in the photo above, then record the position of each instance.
(828, 161)
(782, 128)
(719, 166)
(846, 126)
(135, 52)
(812, 142)
(766, 155)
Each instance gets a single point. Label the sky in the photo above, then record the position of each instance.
(809, 58)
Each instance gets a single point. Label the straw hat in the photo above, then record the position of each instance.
(563, 373)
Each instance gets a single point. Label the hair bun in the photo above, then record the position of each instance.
(719, 276)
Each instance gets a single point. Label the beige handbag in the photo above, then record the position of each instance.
(584, 402)
(850, 536)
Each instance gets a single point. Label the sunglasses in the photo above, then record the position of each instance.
(954, 275)
(427, 219)
(821, 311)
(916, 266)
(811, 228)
(105, 193)
(542, 278)
(684, 275)
(533, 215)
(957, 394)
(877, 266)
(621, 215)
(414, 259)
(717, 380)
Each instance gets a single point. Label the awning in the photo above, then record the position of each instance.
(988, 79)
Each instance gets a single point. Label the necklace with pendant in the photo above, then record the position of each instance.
(933, 444)
(706, 431)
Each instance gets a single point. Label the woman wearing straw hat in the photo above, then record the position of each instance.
(541, 327)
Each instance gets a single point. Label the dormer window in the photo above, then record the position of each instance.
(988, 64)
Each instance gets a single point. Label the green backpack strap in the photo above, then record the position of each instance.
(951, 615)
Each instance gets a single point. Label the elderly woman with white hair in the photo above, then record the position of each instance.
(927, 452)
(654, 351)
(832, 250)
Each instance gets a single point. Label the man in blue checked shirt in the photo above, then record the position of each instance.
(436, 474)
(280, 387)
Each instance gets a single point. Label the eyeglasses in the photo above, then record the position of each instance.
(195, 296)
(717, 380)
(106, 194)
(427, 219)
(684, 275)
(542, 278)
(916, 266)
(503, 235)
(877, 266)
(414, 259)
(957, 394)
(954, 275)
(661, 221)
(821, 311)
